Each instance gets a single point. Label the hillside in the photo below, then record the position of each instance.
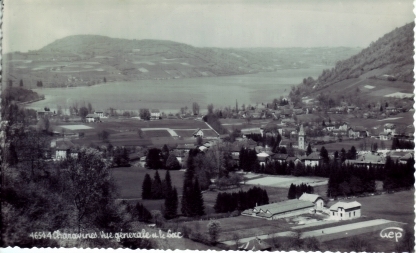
(88, 59)
(382, 70)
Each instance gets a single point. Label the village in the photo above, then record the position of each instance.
(288, 150)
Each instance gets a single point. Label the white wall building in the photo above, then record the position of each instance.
(345, 211)
(317, 200)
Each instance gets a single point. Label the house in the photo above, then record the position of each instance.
(92, 118)
(198, 133)
(255, 244)
(312, 159)
(391, 109)
(293, 159)
(329, 127)
(345, 211)
(385, 136)
(280, 210)
(99, 113)
(317, 200)
(280, 158)
(390, 128)
(357, 132)
(367, 160)
(154, 114)
(63, 149)
(342, 126)
(263, 158)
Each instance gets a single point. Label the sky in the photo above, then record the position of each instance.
(32, 24)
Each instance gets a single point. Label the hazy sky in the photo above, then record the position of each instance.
(32, 24)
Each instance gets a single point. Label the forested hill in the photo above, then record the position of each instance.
(82, 60)
(390, 55)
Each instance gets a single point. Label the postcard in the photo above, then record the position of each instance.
(208, 125)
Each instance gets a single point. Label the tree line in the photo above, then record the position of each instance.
(295, 191)
(241, 200)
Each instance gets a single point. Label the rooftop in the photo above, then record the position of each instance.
(344, 205)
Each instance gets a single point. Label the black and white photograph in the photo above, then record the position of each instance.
(234, 125)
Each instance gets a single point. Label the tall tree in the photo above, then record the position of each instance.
(167, 184)
(195, 108)
(172, 163)
(198, 199)
(171, 204)
(157, 190)
(21, 83)
(308, 149)
(153, 160)
(147, 187)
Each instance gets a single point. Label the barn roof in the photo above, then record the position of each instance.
(345, 205)
(310, 197)
(282, 207)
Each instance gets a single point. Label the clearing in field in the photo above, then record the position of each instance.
(400, 95)
(285, 182)
(369, 87)
(76, 127)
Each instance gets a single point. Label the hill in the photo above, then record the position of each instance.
(382, 70)
(88, 59)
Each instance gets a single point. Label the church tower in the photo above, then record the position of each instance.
(301, 138)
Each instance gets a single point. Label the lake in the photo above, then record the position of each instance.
(172, 94)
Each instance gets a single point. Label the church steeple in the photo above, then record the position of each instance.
(301, 138)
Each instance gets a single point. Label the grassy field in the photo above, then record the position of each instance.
(286, 181)
(347, 144)
(129, 180)
(396, 207)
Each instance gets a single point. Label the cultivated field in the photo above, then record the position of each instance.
(124, 132)
(347, 144)
(286, 181)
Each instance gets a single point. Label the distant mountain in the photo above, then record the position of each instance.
(88, 59)
(385, 67)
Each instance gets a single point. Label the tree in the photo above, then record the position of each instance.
(292, 192)
(324, 154)
(43, 124)
(210, 108)
(199, 141)
(83, 112)
(172, 163)
(21, 83)
(167, 184)
(147, 187)
(198, 199)
(164, 154)
(153, 159)
(308, 149)
(171, 204)
(214, 229)
(144, 114)
(103, 135)
(104, 80)
(157, 190)
(195, 108)
(90, 109)
(90, 188)
(140, 133)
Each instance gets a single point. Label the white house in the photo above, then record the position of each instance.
(198, 133)
(63, 149)
(390, 128)
(99, 113)
(92, 118)
(263, 157)
(345, 211)
(317, 200)
(154, 114)
(312, 159)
